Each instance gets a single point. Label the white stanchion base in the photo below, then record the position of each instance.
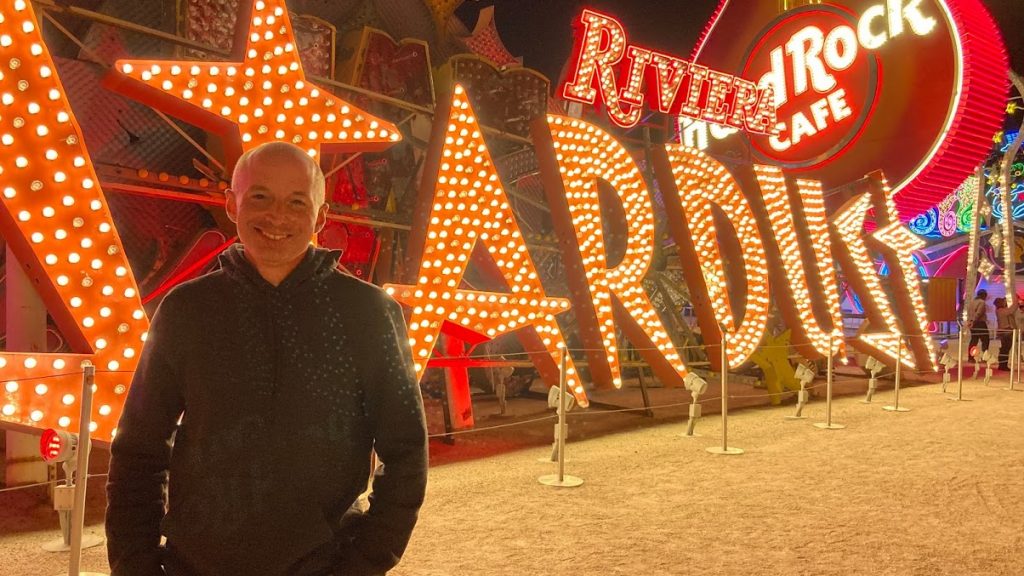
(567, 481)
(827, 426)
(895, 409)
(543, 460)
(88, 541)
(730, 451)
(694, 435)
(955, 399)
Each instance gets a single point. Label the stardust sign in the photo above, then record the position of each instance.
(775, 235)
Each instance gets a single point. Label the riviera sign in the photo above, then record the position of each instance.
(666, 83)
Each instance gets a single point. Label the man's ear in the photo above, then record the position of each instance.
(231, 205)
(321, 217)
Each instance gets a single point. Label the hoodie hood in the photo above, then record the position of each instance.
(318, 263)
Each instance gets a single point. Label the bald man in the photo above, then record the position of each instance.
(260, 393)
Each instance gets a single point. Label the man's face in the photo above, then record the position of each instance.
(276, 210)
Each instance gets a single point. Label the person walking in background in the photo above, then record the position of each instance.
(1006, 323)
(977, 322)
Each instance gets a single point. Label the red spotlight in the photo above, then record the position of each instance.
(58, 446)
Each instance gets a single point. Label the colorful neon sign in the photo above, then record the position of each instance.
(469, 207)
(263, 96)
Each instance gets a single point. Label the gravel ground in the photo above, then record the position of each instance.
(938, 490)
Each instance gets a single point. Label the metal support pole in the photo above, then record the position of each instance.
(1014, 361)
(78, 512)
(828, 424)
(899, 369)
(1010, 364)
(959, 357)
(1019, 358)
(561, 479)
(724, 449)
(960, 371)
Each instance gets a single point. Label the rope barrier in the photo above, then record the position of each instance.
(47, 483)
(475, 430)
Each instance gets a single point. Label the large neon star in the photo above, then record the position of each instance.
(263, 97)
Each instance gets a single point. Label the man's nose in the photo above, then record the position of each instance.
(278, 209)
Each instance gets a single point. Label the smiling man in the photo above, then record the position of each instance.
(260, 393)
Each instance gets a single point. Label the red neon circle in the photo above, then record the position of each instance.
(820, 126)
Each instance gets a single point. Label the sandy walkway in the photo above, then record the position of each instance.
(938, 490)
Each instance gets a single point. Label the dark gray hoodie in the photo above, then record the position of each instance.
(282, 392)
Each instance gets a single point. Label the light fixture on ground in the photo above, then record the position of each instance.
(561, 479)
(978, 354)
(874, 366)
(991, 358)
(61, 447)
(570, 403)
(805, 376)
(696, 386)
(948, 361)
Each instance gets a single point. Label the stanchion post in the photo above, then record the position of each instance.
(1018, 358)
(1015, 360)
(828, 424)
(78, 513)
(561, 479)
(899, 369)
(959, 356)
(960, 373)
(724, 449)
(1010, 355)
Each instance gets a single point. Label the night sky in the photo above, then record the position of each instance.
(541, 30)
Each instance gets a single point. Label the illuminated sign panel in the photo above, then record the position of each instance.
(262, 97)
(470, 207)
